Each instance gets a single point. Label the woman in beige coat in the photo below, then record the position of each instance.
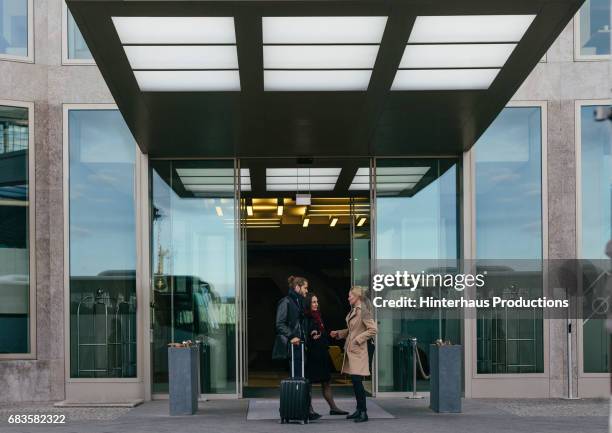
(360, 327)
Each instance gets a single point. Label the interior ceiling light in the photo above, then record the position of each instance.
(306, 222)
(333, 53)
(361, 222)
(213, 179)
(444, 79)
(393, 178)
(323, 30)
(182, 56)
(317, 80)
(333, 222)
(470, 28)
(175, 30)
(302, 179)
(219, 211)
(319, 56)
(249, 210)
(456, 56)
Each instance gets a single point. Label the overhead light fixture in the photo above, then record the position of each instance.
(182, 56)
(188, 81)
(279, 208)
(175, 30)
(443, 79)
(333, 222)
(316, 80)
(323, 30)
(319, 56)
(219, 211)
(470, 28)
(306, 222)
(332, 53)
(456, 56)
(249, 209)
(361, 222)
(303, 199)
(302, 179)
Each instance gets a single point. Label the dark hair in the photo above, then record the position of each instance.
(296, 281)
(308, 302)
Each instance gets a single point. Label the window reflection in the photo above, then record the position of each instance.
(595, 27)
(596, 225)
(14, 27)
(194, 282)
(416, 222)
(14, 239)
(77, 48)
(102, 245)
(508, 177)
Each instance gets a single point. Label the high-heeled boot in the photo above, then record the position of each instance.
(363, 416)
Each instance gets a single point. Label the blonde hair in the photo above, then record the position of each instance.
(362, 293)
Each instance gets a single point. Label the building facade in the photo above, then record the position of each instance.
(535, 186)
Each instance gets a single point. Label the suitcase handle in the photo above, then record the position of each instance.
(292, 360)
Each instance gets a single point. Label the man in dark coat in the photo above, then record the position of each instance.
(290, 328)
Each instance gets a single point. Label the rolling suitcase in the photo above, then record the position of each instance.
(295, 395)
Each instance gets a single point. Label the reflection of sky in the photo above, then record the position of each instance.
(596, 169)
(14, 27)
(508, 186)
(420, 227)
(102, 215)
(198, 241)
(595, 27)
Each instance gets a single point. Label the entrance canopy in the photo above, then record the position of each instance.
(298, 77)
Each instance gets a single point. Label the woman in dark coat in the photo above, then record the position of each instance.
(318, 365)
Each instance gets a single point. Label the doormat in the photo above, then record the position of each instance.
(267, 409)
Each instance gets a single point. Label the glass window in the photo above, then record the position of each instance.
(102, 245)
(77, 48)
(594, 28)
(417, 207)
(596, 224)
(14, 229)
(14, 27)
(508, 178)
(194, 271)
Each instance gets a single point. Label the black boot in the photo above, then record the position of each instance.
(363, 417)
(354, 415)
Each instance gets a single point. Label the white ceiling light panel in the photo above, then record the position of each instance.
(305, 80)
(182, 56)
(302, 179)
(188, 81)
(319, 56)
(323, 30)
(456, 56)
(175, 30)
(469, 28)
(443, 79)
(458, 52)
(333, 53)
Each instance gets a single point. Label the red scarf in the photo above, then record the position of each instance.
(316, 317)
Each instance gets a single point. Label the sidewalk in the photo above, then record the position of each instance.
(230, 416)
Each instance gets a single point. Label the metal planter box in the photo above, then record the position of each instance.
(183, 377)
(445, 370)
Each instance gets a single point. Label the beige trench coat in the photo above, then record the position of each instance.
(360, 328)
